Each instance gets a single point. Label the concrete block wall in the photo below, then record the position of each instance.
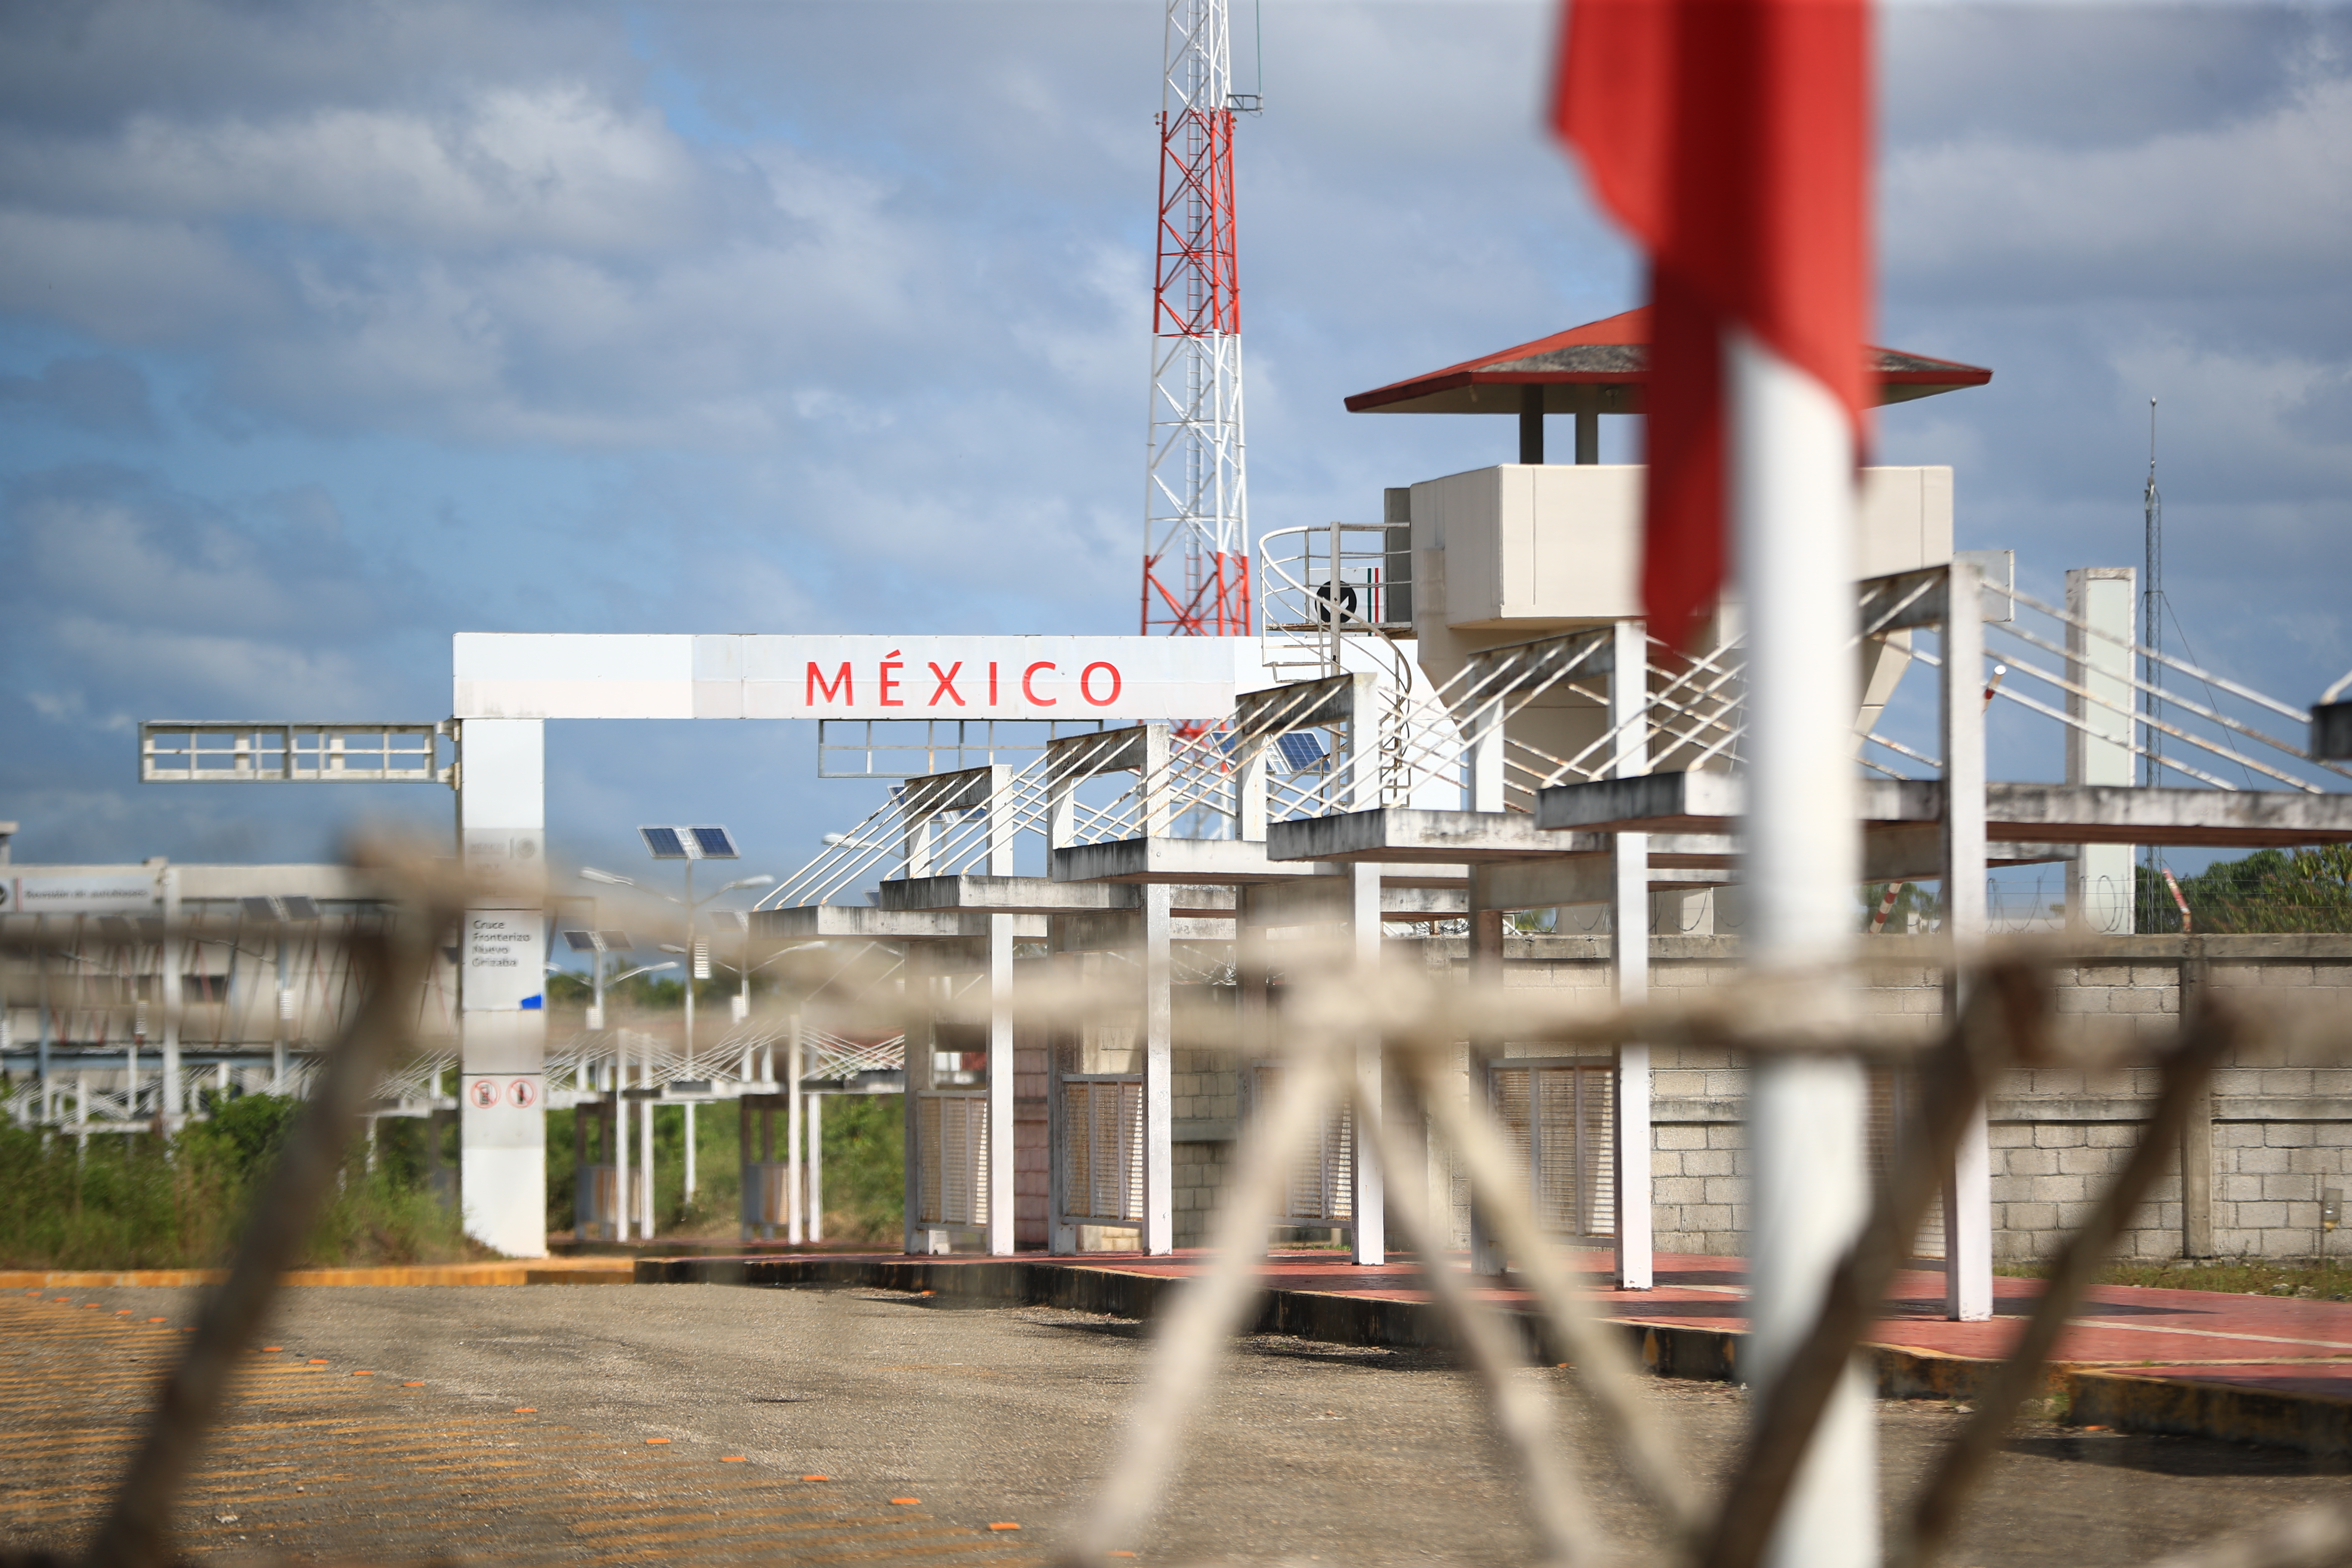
(1031, 1189)
(2281, 1131)
(1206, 1092)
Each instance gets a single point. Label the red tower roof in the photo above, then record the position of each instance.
(1599, 368)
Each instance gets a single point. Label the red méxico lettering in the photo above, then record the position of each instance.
(946, 684)
(835, 690)
(1030, 691)
(1086, 687)
(889, 683)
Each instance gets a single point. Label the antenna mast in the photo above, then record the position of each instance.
(2151, 599)
(1196, 561)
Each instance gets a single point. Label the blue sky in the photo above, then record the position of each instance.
(326, 331)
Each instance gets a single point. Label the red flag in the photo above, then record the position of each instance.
(1732, 138)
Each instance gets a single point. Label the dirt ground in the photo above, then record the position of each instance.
(676, 1423)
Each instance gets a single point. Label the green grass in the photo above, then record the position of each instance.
(132, 1201)
(864, 1169)
(2329, 1280)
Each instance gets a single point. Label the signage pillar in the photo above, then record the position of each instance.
(502, 1024)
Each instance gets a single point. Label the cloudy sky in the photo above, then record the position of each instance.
(327, 330)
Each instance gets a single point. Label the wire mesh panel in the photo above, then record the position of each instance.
(1321, 1187)
(953, 1131)
(1102, 1123)
(1560, 1124)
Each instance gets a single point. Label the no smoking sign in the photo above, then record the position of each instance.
(490, 1093)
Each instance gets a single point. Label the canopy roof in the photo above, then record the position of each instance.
(1599, 368)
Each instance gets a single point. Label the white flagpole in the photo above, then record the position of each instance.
(1792, 483)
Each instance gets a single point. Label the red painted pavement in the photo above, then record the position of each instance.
(2270, 1342)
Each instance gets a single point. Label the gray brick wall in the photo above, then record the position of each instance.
(2282, 1131)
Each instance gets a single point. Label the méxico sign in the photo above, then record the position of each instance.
(526, 676)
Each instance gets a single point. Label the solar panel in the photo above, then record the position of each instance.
(714, 843)
(617, 941)
(259, 909)
(298, 908)
(582, 942)
(664, 842)
(1302, 749)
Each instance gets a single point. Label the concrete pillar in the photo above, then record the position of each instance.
(173, 1108)
(1629, 703)
(1369, 1246)
(2100, 879)
(1531, 430)
(1967, 1186)
(1159, 1086)
(1001, 1151)
(2197, 1131)
(1062, 966)
(920, 1047)
(625, 1205)
(793, 1068)
(815, 1123)
(645, 1109)
(1486, 974)
(1483, 758)
(502, 1120)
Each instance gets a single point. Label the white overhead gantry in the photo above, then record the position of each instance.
(507, 686)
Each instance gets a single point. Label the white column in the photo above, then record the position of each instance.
(646, 1135)
(1000, 1084)
(1370, 1242)
(2100, 879)
(173, 1105)
(688, 1109)
(502, 1117)
(1629, 704)
(624, 1209)
(1159, 1087)
(815, 1128)
(1793, 485)
(1967, 1185)
(796, 1221)
(917, 984)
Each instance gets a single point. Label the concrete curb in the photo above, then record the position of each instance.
(2312, 1424)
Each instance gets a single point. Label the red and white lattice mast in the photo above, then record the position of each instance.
(1196, 561)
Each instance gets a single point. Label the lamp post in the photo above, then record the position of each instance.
(689, 844)
(601, 942)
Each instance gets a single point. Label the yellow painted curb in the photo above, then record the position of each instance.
(536, 1271)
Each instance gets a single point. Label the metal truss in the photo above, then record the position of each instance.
(1196, 564)
(175, 751)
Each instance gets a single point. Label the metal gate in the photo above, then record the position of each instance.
(951, 1158)
(1559, 1119)
(1321, 1188)
(1102, 1142)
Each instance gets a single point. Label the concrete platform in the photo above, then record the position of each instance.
(2015, 813)
(860, 922)
(1042, 896)
(2189, 1363)
(1173, 861)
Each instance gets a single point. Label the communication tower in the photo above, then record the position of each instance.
(1196, 560)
